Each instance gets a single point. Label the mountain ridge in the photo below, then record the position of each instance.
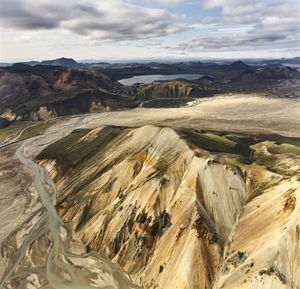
(166, 210)
(42, 92)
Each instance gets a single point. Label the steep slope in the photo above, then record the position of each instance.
(155, 202)
(151, 195)
(267, 238)
(41, 92)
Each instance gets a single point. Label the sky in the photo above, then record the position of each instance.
(112, 30)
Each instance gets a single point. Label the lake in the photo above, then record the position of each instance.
(152, 77)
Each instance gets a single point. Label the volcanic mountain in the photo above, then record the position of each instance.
(65, 62)
(182, 208)
(40, 92)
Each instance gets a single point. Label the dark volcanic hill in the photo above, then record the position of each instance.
(268, 72)
(172, 93)
(65, 62)
(4, 122)
(239, 65)
(39, 92)
(230, 70)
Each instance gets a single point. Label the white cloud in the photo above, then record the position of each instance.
(208, 4)
(279, 23)
(164, 3)
(153, 43)
(269, 25)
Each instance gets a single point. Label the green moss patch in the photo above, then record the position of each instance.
(260, 150)
(267, 154)
(273, 148)
(259, 189)
(217, 143)
(62, 151)
(35, 130)
(12, 129)
(70, 151)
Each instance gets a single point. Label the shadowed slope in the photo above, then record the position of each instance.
(42, 92)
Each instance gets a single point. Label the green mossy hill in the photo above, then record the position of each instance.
(34, 130)
(282, 158)
(263, 150)
(75, 149)
(219, 142)
(273, 148)
(12, 130)
(28, 130)
(173, 89)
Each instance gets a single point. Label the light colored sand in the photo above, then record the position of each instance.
(251, 114)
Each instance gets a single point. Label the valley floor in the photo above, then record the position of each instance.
(150, 195)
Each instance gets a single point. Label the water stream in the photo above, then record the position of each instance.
(51, 223)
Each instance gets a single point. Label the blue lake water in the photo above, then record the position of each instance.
(152, 77)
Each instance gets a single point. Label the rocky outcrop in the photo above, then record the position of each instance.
(42, 114)
(9, 115)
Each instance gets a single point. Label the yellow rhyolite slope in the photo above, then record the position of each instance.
(175, 217)
(268, 231)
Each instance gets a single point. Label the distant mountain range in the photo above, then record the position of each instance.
(47, 90)
(71, 63)
(285, 72)
(295, 60)
(63, 61)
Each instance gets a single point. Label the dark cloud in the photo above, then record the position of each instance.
(15, 14)
(107, 20)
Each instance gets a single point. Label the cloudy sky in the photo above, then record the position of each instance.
(148, 29)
